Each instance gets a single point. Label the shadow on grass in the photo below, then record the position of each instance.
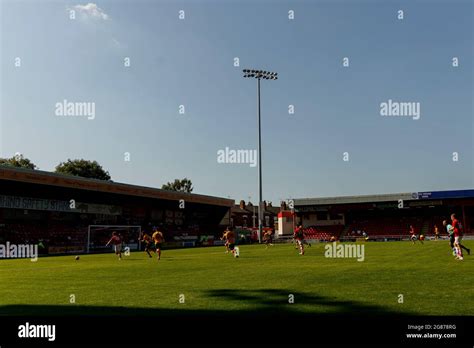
(276, 301)
(263, 302)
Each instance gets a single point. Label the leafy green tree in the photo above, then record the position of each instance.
(83, 168)
(18, 161)
(184, 185)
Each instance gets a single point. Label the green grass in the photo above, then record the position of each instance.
(428, 277)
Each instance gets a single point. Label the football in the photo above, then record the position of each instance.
(77, 258)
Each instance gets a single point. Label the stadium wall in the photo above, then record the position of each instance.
(56, 210)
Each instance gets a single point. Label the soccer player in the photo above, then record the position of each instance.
(117, 243)
(148, 241)
(268, 238)
(450, 231)
(299, 238)
(229, 237)
(159, 240)
(413, 236)
(226, 244)
(436, 232)
(458, 237)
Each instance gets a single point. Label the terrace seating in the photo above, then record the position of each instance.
(23, 233)
(324, 233)
(65, 235)
(55, 234)
(384, 227)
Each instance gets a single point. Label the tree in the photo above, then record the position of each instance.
(184, 185)
(18, 161)
(83, 168)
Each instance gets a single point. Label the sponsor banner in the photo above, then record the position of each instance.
(309, 209)
(66, 250)
(15, 202)
(87, 208)
(388, 205)
(446, 194)
(28, 203)
(185, 238)
(424, 203)
(172, 245)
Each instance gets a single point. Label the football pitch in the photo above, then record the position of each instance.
(394, 278)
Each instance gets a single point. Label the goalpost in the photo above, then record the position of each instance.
(99, 235)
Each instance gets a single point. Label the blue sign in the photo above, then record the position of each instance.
(446, 194)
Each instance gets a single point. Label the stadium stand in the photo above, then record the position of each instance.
(323, 233)
(385, 226)
(23, 233)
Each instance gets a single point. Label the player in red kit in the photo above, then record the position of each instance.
(116, 241)
(299, 238)
(413, 237)
(458, 238)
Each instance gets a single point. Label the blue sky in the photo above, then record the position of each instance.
(190, 62)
